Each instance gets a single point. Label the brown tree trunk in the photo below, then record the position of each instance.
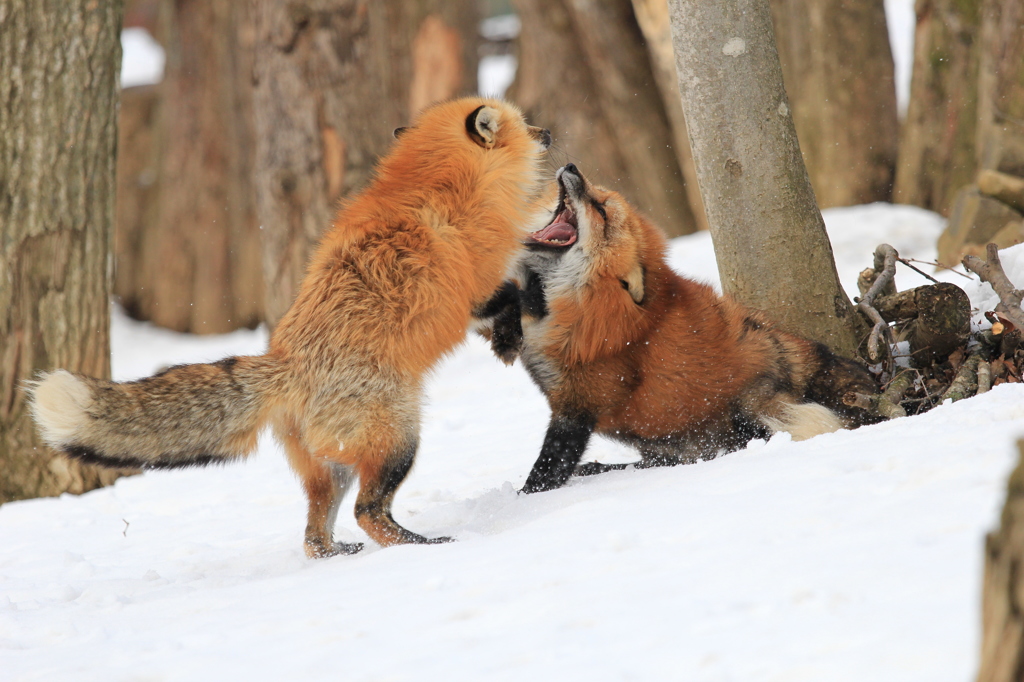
(138, 168)
(652, 17)
(190, 259)
(1002, 606)
(334, 78)
(59, 63)
(838, 71)
(770, 242)
(937, 146)
(1000, 137)
(601, 101)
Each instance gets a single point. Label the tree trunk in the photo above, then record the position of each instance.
(652, 17)
(1002, 609)
(937, 147)
(602, 102)
(59, 63)
(138, 168)
(1000, 137)
(838, 71)
(195, 257)
(334, 78)
(770, 242)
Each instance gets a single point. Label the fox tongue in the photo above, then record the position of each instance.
(558, 231)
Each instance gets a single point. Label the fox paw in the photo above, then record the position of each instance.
(321, 551)
(438, 541)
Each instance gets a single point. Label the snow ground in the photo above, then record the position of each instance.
(852, 556)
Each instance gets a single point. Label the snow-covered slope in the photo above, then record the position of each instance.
(852, 556)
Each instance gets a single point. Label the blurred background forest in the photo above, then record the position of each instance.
(242, 125)
(233, 153)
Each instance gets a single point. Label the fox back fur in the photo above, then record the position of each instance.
(622, 345)
(389, 291)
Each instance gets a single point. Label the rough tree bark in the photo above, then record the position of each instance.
(937, 145)
(333, 79)
(838, 71)
(770, 242)
(59, 63)
(1002, 610)
(188, 243)
(602, 103)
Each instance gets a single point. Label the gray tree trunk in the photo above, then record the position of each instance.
(585, 74)
(770, 242)
(59, 65)
(838, 71)
(333, 79)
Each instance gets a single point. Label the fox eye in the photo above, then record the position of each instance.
(599, 207)
(625, 284)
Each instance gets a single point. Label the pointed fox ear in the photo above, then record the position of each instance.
(482, 126)
(634, 284)
(398, 131)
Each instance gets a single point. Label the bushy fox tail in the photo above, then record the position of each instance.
(189, 415)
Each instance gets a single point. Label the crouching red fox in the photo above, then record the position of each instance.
(388, 293)
(623, 346)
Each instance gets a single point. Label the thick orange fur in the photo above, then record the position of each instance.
(389, 291)
(622, 345)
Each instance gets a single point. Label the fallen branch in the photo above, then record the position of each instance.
(991, 271)
(965, 384)
(885, 267)
(885, 404)
(984, 377)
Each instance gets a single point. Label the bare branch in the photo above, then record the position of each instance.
(984, 377)
(965, 384)
(886, 404)
(991, 271)
(885, 266)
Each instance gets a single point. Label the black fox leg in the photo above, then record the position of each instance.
(564, 443)
(379, 481)
(594, 468)
(507, 334)
(506, 327)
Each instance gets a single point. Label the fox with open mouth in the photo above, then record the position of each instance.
(623, 346)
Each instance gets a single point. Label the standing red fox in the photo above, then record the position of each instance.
(622, 345)
(388, 292)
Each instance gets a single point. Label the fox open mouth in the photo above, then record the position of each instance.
(560, 232)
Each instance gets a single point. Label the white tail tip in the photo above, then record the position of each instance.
(59, 404)
(805, 420)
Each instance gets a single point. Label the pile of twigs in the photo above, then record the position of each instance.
(945, 360)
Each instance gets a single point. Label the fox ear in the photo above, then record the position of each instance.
(482, 126)
(634, 284)
(398, 131)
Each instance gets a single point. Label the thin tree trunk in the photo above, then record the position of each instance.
(196, 261)
(838, 71)
(334, 78)
(770, 242)
(59, 64)
(937, 146)
(602, 102)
